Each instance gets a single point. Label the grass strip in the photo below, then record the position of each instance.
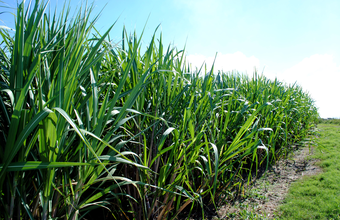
(318, 197)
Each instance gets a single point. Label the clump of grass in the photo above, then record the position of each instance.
(318, 197)
(329, 121)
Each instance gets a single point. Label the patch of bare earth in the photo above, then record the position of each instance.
(261, 200)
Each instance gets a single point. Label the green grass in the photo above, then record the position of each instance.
(318, 197)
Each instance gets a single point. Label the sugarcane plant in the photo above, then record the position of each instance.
(90, 127)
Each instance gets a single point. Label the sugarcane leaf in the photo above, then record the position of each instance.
(23, 135)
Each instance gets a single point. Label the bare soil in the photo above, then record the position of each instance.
(261, 200)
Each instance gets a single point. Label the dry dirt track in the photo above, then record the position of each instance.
(268, 192)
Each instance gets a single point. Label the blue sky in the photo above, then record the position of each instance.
(293, 40)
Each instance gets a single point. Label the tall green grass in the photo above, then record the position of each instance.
(89, 128)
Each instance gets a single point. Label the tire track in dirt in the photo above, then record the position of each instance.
(268, 192)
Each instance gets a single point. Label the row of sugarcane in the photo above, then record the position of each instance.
(93, 129)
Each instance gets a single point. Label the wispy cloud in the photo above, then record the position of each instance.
(226, 62)
(199, 7)
(203, 16)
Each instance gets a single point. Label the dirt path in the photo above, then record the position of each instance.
(263, 198)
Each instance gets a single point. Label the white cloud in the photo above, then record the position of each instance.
(226, 62)
(320, 76)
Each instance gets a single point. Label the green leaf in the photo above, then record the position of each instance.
(22, 137)
(37, 165)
